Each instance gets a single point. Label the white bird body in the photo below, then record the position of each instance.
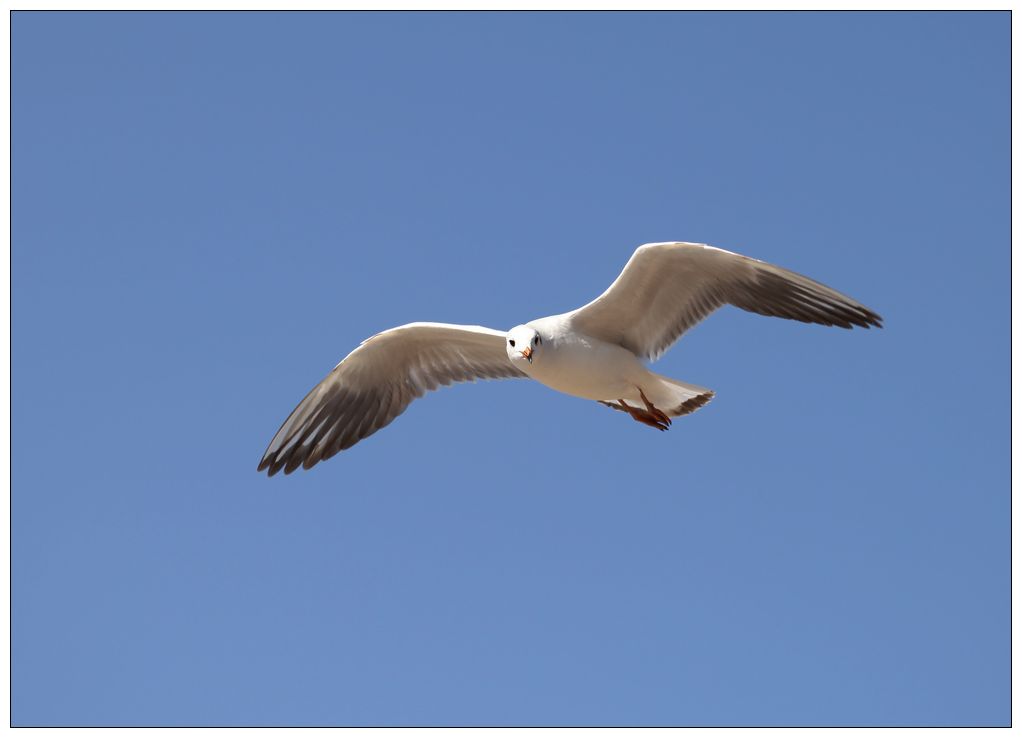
(594, 352)
(579, 365)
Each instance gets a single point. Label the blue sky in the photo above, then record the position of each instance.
(210, 210)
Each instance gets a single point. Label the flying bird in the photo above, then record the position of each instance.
(595, 352)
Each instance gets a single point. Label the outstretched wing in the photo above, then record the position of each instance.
(666, 288)
(377, 381)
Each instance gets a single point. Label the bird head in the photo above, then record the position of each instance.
(522, 345)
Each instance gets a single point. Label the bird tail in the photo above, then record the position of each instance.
(678, 398)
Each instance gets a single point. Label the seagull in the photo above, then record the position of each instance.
(595, 352)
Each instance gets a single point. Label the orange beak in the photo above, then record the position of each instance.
(527, 353)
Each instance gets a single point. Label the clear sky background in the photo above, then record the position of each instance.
(210, 210)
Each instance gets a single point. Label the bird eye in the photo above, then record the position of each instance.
(512, 342)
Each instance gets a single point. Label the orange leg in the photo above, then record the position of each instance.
(652, 409)
(654, 420)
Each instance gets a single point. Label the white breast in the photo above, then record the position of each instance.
(581, 366)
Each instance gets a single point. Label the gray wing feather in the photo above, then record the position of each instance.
(377, 381)
(666, 288)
